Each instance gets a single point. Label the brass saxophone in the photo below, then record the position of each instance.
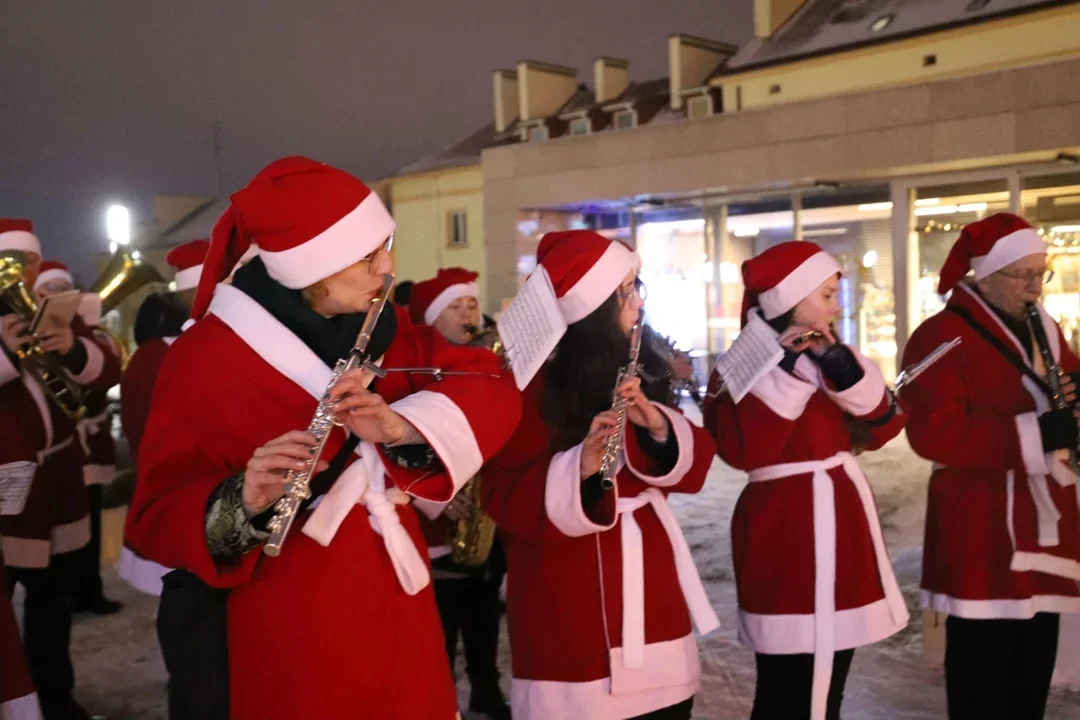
(45, 366)
(609, 461)
(475, 533)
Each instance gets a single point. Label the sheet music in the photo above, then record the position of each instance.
(531, 327)
(754, 353)
(15, 481)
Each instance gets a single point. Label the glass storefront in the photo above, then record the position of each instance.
(1052, 205)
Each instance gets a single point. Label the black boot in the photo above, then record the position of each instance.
(487, 698)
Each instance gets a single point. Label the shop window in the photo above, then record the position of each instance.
(1052, 205)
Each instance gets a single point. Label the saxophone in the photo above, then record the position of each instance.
(475, 533)
(298, 483)
(613, 446)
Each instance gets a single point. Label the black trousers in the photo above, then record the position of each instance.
(682, 711)
(47, 626)
(191, 626)
(1000, 668)
(785, 684)
(88, 588)
(470, 607)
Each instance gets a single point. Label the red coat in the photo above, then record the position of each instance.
(346, 612)
(574, 574)
(55, 518)
(95, 433)
(17, 698)
(1002, 533)
(811, 568)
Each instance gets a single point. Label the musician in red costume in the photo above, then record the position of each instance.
(602, 590)
(344, 619)
(40, 544)
(1002, 550)
(812, 571)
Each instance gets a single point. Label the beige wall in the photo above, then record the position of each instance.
(1022, 40)
(998, 118)
(771, 14)
(543, 89)
(610, 78)
(422, 205)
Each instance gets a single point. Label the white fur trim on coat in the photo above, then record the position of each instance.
(95, 362)
(138, 572)
(684, 438)
(20, 240)
(562, 496)
(187, 278)
(1008, 250)
(98, 474)
(1024, 609)
(447, 296)
(1031, 449)
(785, 394)
(21, 708)
(864, 396)
(599, 282)
(352, 238)
(802, 281)
(786, 634)
(447, 430)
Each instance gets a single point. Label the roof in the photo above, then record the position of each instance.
(826, 26)
(637, 90)
(464, 151)
(582, 101)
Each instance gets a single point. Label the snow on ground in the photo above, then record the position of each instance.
(120, 672)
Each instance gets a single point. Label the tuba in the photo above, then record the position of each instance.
(44, 366)
(126, 272)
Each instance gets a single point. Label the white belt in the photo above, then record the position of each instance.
(90, 426)
(365, 482)
(633, 572)
(53, 449)
(824, 513)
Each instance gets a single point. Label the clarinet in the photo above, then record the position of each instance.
(1054, 372)
(609, 461)
(298, 484)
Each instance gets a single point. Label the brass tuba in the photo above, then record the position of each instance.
(44, 366)
(125, 273)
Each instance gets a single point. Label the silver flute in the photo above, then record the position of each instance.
(298, 482)
(609, 461)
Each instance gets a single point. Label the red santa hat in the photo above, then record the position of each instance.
(986, 246)
(585, 269)
(18, 235)
(51, 271)
(307, 219)
(431, 297)
(779, 278)
(187, 259)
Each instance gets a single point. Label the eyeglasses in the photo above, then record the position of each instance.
(1042, 276)
(373, 258)
(638, 289)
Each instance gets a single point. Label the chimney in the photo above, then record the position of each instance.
(610, 78)
(506, 98)
(691, 60)
(769, 15)
(543, 88)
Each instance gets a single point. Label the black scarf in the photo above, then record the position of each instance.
(329, 338)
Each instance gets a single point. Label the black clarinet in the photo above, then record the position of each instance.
(1053, 371)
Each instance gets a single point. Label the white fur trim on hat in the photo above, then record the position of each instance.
(799, 283)
(188, 278)
(447, 296)
(20, 240)
(348, 241)
(52, 275)
(597, 285)
(1008, 250)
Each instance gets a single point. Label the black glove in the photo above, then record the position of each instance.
(840, 366)
(1059, 430)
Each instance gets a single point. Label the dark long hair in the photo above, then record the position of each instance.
(161, 315)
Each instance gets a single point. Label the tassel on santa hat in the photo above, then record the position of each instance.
(187, 259)
(988, 245)
(431, 297)
(308, 220)
(52, 271)
(779, 278)
(18, 235)
(585, 269)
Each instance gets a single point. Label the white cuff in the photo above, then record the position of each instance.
(430, 508)
(783, 393)
(1031, 449)
(562, 496)
(863, 397)
(95, 362)
(684, 437)
(445, 426)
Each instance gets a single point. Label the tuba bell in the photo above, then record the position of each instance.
(126, 272)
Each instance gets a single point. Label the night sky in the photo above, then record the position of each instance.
(116, 101)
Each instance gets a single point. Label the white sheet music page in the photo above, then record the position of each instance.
(531, 327)
(15, 481)
(754, 353)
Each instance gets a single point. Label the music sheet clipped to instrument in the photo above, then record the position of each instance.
(531, 327)
(755, 352)
(15, 479)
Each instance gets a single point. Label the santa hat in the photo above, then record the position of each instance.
(988, 245)
(19, 235)
(779, 278)
(431, 297)
(585, 269)
(187, 259)
(307, 219)
(51, 271)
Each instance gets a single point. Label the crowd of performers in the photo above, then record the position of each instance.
(434, 479)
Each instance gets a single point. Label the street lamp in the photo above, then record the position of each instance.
(118, 226)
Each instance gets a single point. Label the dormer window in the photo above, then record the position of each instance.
(699, 106)
(625, 119)
(539, 133)
(580, 126)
